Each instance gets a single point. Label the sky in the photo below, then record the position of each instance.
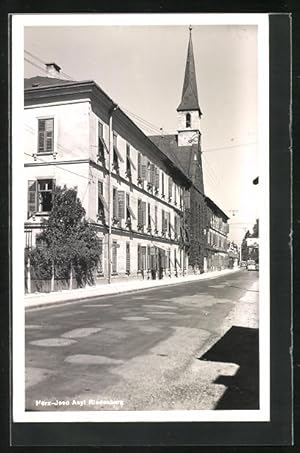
(142, 69)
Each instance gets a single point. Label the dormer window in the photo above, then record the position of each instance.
(188, 120)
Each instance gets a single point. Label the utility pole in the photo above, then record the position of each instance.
(110, 146)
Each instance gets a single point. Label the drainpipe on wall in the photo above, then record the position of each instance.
(114, 107)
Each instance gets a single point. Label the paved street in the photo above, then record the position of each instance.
(187, 346)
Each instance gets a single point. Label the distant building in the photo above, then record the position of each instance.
(67, 137)
(217, 228)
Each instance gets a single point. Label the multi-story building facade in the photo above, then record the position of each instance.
(133, 193)
(217, 229)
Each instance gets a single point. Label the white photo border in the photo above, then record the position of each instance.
(19, 22)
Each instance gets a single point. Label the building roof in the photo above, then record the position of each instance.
(35, 86)
(189, 99)
(42, 81)
(216, 208)
(181, 156)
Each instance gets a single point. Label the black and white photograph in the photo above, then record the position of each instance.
(140, 239)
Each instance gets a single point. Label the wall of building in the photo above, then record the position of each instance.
(71, 130)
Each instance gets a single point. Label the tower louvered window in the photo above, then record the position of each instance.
(188, 120)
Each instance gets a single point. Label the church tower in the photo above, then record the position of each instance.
(189, 112)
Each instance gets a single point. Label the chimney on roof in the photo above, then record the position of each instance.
(53, 70)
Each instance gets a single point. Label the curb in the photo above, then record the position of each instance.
(73, 300)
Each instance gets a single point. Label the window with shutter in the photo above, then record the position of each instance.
(162, 221)
(169, 259)
(114, 257)
(139, 213)
(128, 161)
(32, 198)
(144, 167)
(44, 194)
(170, 188)
(162, 185)
(101, 202)
(116, 153)
(176, 226)
(139, 167)
(102, 148)
(169, 224)
(152, 174)
(187, 202)
(127, 258)
(155, 219)
(149, 217)
(143, 253)
(100, 257)
(156, 183)
(121, 204)
(115, 203)
(148, 258)
(46, 135)
(144, 213)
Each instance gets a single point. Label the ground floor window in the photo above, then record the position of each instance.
(127, 258)
(114, 257)
(40, 193)
(141, 258)
(100, 257)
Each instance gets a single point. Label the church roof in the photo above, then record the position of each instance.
(189, 99)
(181, 156)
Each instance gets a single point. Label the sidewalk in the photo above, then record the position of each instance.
(42, 299)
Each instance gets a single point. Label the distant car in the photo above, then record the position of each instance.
(251, 265)
(243, 264)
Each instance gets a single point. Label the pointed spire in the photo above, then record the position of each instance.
(189, 100)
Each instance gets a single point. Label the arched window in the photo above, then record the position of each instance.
(188, 120)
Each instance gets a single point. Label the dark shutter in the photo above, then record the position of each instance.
(139, 170)
(131, 213)
(121, 204)
(187, 202)
(139, 258)
(115, 203)
(170, 187)
(128, 257)
(143, 213)
(152, 171)
(41, 133)
(32, 198)
(139, 212)
(156, 177)
(144, 168)
(49, 135)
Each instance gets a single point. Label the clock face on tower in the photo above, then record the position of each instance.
(194, 138)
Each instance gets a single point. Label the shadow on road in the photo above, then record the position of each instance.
(239, 345)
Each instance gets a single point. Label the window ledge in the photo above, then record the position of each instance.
(43, 213)
(44, 153)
